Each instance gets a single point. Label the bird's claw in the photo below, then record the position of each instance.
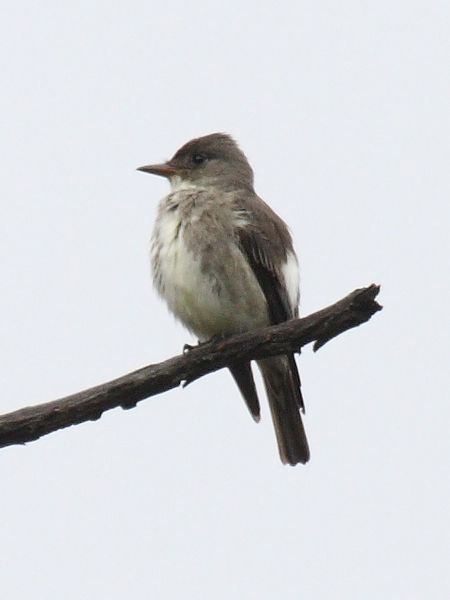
(186, 382)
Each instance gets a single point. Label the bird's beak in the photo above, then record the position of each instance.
(163, 169)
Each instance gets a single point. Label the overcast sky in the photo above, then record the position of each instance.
(343, 111)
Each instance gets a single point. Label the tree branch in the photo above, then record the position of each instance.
(28, 424)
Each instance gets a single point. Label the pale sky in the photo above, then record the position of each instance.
(343, 111)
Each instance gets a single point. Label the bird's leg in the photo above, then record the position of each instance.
(215, 338)
(188, 347)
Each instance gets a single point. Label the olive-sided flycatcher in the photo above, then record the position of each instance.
(224, 263)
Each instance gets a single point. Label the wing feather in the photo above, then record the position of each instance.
(266, 243)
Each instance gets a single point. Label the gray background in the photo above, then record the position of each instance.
(342, 109)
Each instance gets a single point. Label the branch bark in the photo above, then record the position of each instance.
(28, 424)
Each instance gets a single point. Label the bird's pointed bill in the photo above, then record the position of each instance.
(163, 169)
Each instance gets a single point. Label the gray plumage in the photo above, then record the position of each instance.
(224, 263)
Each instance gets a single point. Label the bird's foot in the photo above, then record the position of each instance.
(187, 348)
(215, 338)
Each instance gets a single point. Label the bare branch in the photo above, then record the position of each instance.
(28, 424)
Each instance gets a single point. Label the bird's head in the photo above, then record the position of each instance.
(212, 160)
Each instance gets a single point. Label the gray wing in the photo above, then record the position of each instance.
(265, 242)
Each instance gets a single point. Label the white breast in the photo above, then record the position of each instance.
(208, 304)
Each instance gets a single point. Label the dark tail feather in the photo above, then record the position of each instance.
(281, 381)
(297, 383)
(243, 376)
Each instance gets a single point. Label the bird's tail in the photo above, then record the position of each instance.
(243, 376)
(282, 384)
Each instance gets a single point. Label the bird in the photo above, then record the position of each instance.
(224, 263)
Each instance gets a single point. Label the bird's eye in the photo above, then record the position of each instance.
(199, 158)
